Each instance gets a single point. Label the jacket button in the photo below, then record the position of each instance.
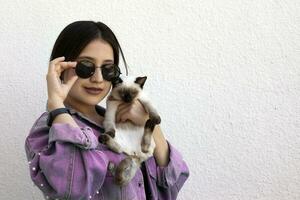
(111, 166)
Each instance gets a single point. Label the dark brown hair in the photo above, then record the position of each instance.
(75, 36)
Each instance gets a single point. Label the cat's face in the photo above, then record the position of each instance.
(127, 88)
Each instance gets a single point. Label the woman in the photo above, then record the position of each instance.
(66, 161)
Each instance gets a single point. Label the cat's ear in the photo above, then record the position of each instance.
(141, 81)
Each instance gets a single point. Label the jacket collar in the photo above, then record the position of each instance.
(99, 109)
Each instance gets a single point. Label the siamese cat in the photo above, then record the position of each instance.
(135, 141)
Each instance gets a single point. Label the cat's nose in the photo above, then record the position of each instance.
(127, 98)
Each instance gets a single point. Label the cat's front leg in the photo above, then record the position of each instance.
(153, 120)
(110, 142)
(147, 136)
(110, 127)
(153, 114)
(110, 117)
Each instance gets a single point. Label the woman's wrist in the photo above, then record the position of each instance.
(53, 104)
(61, 118)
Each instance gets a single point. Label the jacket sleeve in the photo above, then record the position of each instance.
(64, 161)
(170, 178)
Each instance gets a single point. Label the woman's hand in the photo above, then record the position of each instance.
(135, 112)
(58, 91)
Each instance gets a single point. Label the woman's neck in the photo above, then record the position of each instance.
(87, 110)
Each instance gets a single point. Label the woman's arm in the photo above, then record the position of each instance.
(62, 118)
(63, 161)
(166, 182)
(161, 151)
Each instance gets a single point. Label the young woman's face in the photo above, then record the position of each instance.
(99, 52)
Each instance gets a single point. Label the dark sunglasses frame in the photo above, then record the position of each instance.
(85, 69)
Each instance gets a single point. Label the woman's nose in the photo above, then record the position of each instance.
(97, 76)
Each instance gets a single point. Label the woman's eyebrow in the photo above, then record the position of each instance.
(87, 57)
(93, 59)
(108, 61)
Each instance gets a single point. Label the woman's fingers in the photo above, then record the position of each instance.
(123, 105)
(121, 112)
(135, 106)
(134, 112)
(125, 117)
(58, 59)
(57, 89)
(53, 63)
(62, 66)
(66, 65)
(58, 66)
(125, 110)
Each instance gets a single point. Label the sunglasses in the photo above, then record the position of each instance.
(86, 69)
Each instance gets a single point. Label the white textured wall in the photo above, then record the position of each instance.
(224, 75)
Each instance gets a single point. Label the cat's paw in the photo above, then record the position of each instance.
(111, 133)
(155, 118)
(103, 138)
(145, 145)
(125, 171)
(145, 148)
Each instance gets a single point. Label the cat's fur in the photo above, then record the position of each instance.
(135, 141)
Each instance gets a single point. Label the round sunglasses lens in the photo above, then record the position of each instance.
(110, 72)
(84, 69)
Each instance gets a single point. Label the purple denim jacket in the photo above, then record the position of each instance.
(69, 163)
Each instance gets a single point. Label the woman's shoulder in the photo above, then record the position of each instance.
(37, 137)
(41, 120)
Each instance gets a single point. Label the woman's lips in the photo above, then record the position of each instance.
(93, 91)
